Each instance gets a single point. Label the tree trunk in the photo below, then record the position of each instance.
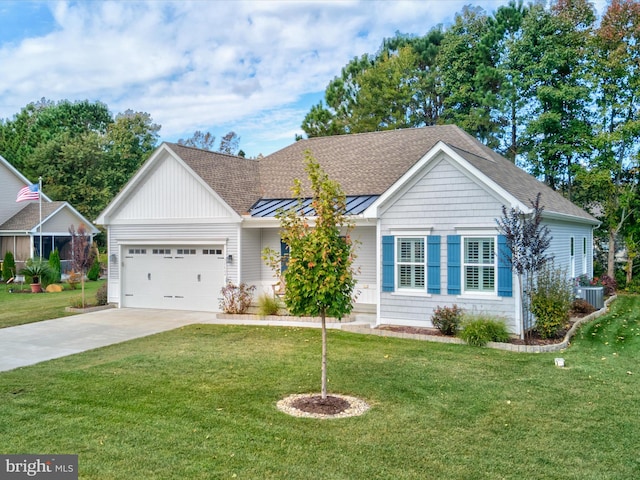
(632, 253)
(324, 355)
(523, 308)
(611, 256)
(82, 284)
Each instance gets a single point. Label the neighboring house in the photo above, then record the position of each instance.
(23, 225)
(424, 201)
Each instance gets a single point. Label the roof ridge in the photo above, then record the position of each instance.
(204, 150)
(454, 147)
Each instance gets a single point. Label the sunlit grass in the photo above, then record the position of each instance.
(22, 306)
(199, 402)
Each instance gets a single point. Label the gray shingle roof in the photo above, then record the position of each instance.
(370, 163)
(363, 164)
(29, 217)
(235, 179)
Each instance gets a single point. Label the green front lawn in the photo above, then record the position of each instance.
(199, 402)
(22, 306)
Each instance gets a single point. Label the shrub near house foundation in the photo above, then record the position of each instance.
(478, 330)
(551, 301)
(447, 319)
(236, 298)
(8, 266)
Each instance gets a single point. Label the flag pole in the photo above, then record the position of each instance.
(40, 202)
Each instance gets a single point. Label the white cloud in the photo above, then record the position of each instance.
(205, 65)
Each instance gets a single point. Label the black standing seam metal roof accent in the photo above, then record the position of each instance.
(268, 208)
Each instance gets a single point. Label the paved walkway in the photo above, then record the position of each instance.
(40, 341)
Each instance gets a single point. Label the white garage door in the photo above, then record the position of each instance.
(173, 277)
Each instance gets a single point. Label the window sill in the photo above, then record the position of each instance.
(477, 296)
(411, 293)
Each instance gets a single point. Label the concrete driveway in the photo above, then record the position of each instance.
(40, 341)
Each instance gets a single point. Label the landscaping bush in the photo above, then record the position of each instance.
(583, 280)
(101, 295)
(37, 270)
(94, 272)
(236, 298)
(73, 280)
(551, 301)
(610, 285)
(56, 267)
(581, 307)
(447, 319)
(8, 266)
(478, 330)
(76, 302)
(268, 304)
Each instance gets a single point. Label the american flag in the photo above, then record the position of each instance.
(30, 192)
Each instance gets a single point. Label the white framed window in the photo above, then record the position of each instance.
(410, 263)
(572, 258)
(479, 265)
(584, 255)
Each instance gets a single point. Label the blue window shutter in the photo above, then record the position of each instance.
(388, 255)
(505, 276)
(433, 264)
(453, 264)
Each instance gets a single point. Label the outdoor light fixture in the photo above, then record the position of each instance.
(113, 258)
(229, 258)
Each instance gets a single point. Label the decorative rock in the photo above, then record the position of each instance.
(54, 287)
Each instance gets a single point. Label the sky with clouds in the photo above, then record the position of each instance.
(254, 67)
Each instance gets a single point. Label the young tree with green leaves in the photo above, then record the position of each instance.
(319, 275)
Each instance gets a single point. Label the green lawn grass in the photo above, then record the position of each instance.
(200, 402)
(25, 307)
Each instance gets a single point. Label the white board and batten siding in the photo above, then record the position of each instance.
(365, 263)
(170, 242)
(251, 256)
(443, 201)
(171, 192)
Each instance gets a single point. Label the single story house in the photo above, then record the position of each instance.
(26, 225)
(424, 201)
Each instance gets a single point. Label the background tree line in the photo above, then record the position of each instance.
(83, 153)
(553, 88)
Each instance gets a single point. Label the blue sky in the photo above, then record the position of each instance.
(254, 67)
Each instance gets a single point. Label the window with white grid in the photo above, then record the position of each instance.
(479, 265)
(411, 264)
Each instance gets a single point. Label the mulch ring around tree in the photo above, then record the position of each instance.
(312, 405)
